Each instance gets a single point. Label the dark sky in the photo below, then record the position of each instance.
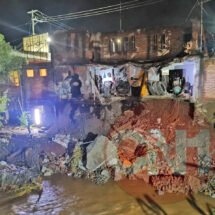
(13, 14)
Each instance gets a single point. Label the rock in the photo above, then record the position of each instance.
(3, 163)
(47, 171)
(100, 176)
(118, 175)
(29, 157)
(160, 192)
(100, 152)
(62, 140)
(106, 173)
(32, 158)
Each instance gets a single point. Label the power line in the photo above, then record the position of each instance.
(39, 17)
(43, 16)
(97, 9)
(104, 11)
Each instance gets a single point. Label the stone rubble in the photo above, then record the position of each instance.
(4, 144)
(13, 178)
(209, 187)
(124, 153)
(105, 159)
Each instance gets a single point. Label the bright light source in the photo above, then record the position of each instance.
(49, 39)
(37, 116)
(119, 40)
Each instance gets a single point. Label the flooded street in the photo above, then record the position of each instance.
(66, 196)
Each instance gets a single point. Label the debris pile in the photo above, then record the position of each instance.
(75, 165)
(151, 141)
(147, 142)
(4, 146)
(175, 184)
(13, 178)
(52, 164)
(200, 114)
(209, 188)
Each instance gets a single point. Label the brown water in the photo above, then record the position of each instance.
(66, 196)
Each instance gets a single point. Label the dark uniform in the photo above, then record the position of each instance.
(75, 85)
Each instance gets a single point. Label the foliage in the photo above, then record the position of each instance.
(3, 103)
(75, 161)
(35, 186)
(8, 60)
(24, 119)
(3, 107)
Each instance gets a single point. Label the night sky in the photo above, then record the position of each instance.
(13, 14)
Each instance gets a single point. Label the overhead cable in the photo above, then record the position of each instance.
(97, 12)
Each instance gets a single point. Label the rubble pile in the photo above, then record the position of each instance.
(166, 115)
(53, 164)
(13, 178)
(4, 146)
(146, 144)
(209, 187)
(75, 165)
(175, 184)
(72, 162)
(140, 145)
(200, 114)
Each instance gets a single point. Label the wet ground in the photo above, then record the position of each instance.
(63, 195)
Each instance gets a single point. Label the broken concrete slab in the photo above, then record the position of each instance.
(101, 152)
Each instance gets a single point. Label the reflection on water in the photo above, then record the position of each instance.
(52, 201)
(66, 196)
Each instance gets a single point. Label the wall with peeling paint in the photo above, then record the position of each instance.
(209, 78)
(150, 44)
(70, 47)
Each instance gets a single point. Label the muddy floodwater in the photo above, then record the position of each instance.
(66, 196)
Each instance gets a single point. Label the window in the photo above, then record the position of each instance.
(163, 41)
(112, 46)
(155, 42)
(30, 73)
(43, 72)
(132, 45)
(119, 43)
(126, 44)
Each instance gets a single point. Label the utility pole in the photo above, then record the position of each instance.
(202, 10)
(33, 20)
(201, 27)
(120, 19)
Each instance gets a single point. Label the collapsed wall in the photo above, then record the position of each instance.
(165, 143)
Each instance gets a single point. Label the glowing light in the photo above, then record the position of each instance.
(119, 40)
(37, 116)
(49, 39)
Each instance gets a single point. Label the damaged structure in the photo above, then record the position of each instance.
(132, 88)
(158, 61)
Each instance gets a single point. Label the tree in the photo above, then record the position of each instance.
(8, 60)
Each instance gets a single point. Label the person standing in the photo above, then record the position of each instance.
(75, 85)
